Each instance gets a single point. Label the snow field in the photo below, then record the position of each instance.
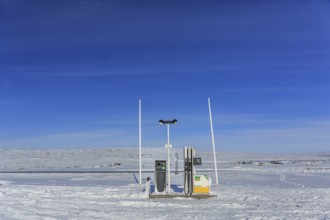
(125, 202)
(284, 187)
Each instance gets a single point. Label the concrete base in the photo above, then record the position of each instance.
(170, 196)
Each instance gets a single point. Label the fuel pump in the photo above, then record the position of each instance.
(198, 184)
(189, 170)
(160, 176)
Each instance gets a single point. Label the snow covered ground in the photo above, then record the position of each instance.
(252, 186)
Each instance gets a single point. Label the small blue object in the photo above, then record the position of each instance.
(175, 188)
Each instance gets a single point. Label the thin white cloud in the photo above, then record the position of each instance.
(295, 135)
(300, 136)
(308, 136)
(5, 84)
(6, 102)
(99, 138)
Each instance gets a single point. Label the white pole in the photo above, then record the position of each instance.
(213, 144)
(168, 134)
(168, 160)
(140, 144)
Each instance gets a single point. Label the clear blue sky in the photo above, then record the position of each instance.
(71, 73)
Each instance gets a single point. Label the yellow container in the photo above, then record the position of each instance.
(201, 184)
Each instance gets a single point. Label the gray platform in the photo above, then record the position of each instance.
(170, 196)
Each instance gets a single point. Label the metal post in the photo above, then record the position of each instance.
(168, 134)
(168, 160)
(140, 144)
(176, 163)
(213, 144)
(168, 146)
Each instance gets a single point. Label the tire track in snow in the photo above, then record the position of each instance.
(284, 179)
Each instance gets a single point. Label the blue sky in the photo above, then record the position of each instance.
(71, 73)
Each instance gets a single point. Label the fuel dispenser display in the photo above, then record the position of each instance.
(160, 176)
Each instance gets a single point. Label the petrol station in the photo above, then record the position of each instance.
(194, 185)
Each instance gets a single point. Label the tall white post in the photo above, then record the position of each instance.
(168, 134)
(140, 144)
(213, 144)
(168, 160)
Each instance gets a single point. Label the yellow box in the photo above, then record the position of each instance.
(200, 189)
(201, 184)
